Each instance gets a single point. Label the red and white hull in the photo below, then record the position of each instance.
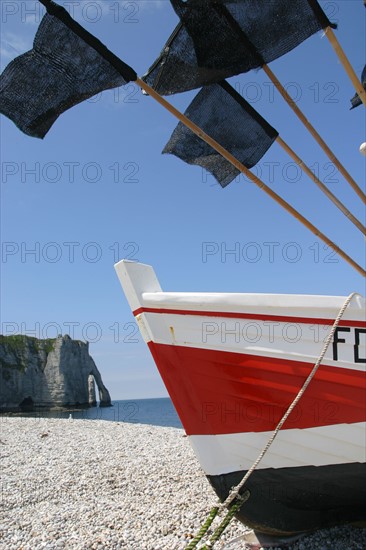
(233, 363)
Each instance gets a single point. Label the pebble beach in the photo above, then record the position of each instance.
(94, 484)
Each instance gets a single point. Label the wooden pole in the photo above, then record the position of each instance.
(321, 185)
(313, 132)
(229, 157)
(346, 64)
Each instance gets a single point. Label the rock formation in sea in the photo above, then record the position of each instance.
(51, 373)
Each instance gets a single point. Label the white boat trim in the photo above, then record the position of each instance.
(320, 446)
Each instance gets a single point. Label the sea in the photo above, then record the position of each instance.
(154, 411)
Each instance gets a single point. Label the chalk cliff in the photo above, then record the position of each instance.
(48, 373)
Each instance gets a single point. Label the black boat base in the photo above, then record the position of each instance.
(285, 502)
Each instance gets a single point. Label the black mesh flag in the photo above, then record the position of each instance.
(60, 71)
(221, 38)
(224, 115)
(356, 101)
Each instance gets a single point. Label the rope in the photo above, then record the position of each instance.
(203, 529)
(225, 522)
(234, 493)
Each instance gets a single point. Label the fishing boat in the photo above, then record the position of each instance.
(232, 363)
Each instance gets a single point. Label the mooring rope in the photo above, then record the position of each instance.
(234, 493)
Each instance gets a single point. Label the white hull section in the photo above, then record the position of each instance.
(265, 338)
(292, 448)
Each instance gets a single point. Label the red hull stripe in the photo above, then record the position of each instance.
(218, 392)
(257, 316)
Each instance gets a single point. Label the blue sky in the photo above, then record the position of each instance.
(97, 189)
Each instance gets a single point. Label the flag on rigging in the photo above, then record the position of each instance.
(356, 101)
(216, 40)
(224, 115)
(66, 66)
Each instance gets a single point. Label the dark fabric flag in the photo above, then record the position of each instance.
(356, 101)
(221, 38)
(225, 116)
(60, 71)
